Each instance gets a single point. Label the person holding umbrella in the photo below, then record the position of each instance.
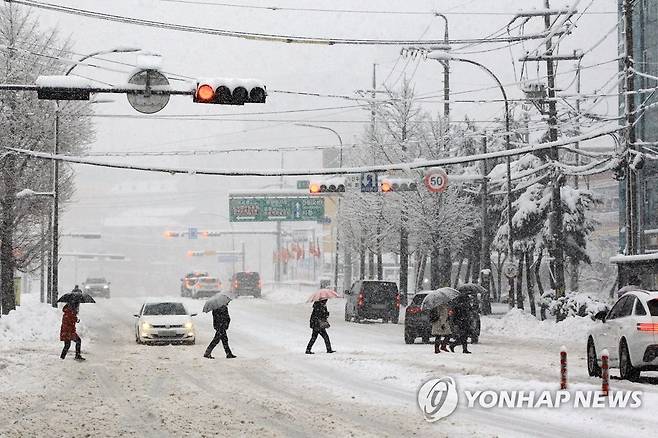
(460, 322)
(218, 304)
(437, 303)
(67, 332)
(439, 317)
(319, 321)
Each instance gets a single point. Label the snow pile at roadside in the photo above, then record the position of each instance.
(32, 321)
(518, 324)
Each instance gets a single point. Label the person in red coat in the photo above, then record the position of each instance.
(68, 333)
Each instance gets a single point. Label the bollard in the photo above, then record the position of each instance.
(605, 376)
(563, 368)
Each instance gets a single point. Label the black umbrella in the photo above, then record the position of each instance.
(471, 288)
(76, 297)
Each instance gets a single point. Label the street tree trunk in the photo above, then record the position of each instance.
(529, 281)
(519, 282)
(7, 262)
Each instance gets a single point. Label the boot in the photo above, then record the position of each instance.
(309, 352)
(230, 355)
(437, 349)
(63, 355)
(465, 350)
(452, 348)
(331, 351)
(79, 358)
(444, 347)
(208, 356)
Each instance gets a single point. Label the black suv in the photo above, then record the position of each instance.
(373, 299)
(416, 321)
(97, 287)
(246, 283)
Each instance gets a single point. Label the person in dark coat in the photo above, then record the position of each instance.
(460, 322)
(220, 321)
(68, 333)
(319, 323)
(76, 289)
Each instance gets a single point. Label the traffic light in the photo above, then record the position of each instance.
(229, 91)
(332, 185)
(61, 87)
(387, 185)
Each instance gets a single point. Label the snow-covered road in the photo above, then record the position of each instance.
(367, 388)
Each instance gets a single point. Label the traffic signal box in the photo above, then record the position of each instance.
(230, 91)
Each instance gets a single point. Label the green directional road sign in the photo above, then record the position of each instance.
(245, 209)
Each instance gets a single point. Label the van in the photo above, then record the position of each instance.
(373, 299)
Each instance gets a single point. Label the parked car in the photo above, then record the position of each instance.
(372, 299)
(164, 322)
(205, 287)
(188, 282)
(97, 287)
(416, 321)
(629, 331)
(246, 283)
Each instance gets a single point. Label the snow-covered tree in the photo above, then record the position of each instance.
(27, 51)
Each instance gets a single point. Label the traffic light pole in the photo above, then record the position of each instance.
(55, 217)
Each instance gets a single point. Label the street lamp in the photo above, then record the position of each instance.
(55, 193)
(340, 164)
(444, 56)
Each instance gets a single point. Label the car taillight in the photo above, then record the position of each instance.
(647, 327)
(260, 284)
(219, 284)
(451, 312)
(413, 310)
(397, 301)
(236, 284)
(361, 300)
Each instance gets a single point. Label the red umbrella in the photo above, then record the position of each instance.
(322, 294)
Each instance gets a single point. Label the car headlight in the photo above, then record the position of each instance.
(105, 286)
(146, 326)
(189, 325)
(86, 287)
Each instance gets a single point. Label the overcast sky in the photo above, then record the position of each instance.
(293, 67)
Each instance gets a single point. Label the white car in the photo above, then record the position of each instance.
(164, 322)
(629, 331)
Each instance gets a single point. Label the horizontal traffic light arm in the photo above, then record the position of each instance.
(60, 93)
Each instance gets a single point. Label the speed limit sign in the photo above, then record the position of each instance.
(436, 180)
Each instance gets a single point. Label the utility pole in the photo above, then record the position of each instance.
(404, 233)
(485, 254)
(629, 137)
(277, 266)
(42, 263)
(555, 216)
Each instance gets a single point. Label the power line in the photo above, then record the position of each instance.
(274, 8)
(288, 39)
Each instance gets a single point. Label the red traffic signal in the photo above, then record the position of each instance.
(229, 91)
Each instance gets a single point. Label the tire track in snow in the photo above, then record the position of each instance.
(137, 419)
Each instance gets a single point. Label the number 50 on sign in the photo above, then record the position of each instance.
(436, 180)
